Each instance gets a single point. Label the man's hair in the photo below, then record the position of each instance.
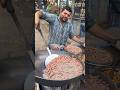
(67, 8)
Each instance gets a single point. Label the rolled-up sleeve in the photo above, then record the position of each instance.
(48, 17)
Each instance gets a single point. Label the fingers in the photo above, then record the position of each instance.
(37, 24)
(55, 47)
(37, 20)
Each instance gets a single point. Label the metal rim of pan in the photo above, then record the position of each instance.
(56, 83)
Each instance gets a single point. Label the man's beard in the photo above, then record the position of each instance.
(64, 19)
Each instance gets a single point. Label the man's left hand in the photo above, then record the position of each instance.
(55, 46)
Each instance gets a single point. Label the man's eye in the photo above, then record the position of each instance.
(65, 13)
(68, 15)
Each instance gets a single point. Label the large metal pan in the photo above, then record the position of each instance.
(40, 66)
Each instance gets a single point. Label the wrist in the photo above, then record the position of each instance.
(62, 47)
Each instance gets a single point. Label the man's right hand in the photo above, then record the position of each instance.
(37, 20)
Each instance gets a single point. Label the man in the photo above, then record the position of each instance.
(60, 28)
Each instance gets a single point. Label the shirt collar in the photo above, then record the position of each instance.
(60, 21)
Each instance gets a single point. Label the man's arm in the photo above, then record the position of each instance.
(97, 31)
(73, 36)
(77, 39)
(50, 18)
(37, 19)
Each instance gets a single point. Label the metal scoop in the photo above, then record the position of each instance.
(51, 56)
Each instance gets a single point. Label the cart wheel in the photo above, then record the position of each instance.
(29, 83)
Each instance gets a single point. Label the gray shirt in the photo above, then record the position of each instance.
(58, 33)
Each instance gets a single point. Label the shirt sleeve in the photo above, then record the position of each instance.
(48, 17)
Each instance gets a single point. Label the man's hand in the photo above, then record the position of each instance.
(78, 40)
(55, 46)
(37, 20)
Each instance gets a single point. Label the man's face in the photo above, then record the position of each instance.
(65, 15)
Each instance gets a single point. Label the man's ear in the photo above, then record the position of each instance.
(71, 16)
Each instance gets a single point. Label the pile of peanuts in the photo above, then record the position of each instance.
(63, 68)
(98, 55)
(73, 49)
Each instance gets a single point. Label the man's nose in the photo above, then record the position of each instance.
(66, 15)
